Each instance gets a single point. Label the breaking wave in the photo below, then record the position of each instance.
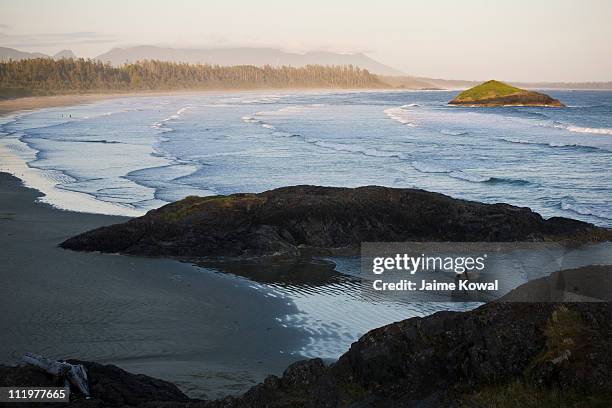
(461, 175)
(400, 115)
(580, 129)
(585, 209)
(553, 144)
(162, 124)
(454, 132)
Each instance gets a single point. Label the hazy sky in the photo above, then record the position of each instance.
(556, 40)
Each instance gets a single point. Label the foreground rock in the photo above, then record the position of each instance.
(502, 354)
(302, 219)
(495, 93)
(109, 385)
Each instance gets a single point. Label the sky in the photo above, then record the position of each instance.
(519, 40)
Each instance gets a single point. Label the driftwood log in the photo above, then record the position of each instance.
(72, 374)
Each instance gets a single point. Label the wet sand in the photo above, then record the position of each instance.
(39, 102)
(51, 101)
(212, 334)
(11, 105)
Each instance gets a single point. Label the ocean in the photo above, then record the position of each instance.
(129, 155)
(134, 154)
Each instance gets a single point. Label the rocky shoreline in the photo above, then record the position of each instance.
(502, 354)
(299, 220)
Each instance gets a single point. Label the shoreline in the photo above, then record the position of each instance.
(164, 318)
(31, 103)
(34, 178)
(51, 195)
(28, 103)
(9, 106)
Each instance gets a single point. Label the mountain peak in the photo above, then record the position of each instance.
(7, 54)
(64, 54)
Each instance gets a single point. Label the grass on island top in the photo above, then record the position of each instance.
(489, 89)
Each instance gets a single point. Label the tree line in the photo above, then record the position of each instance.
(45, 75)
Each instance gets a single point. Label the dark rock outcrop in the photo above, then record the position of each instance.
(293, 220)
(540, 351)
(109, 385)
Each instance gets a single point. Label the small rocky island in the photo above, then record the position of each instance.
(301, 220)
(494, 93)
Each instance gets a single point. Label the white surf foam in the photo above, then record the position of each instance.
(259, 100)
(429, 167)
(400, 115)
(249, 119)
(162, 124)
(585, 209)
(597, 131)
(474, 178)
(46, 182)
(581, 129)
(552, 144)
(293, 109)
(258, 117)
(448, 132)
(353, 148)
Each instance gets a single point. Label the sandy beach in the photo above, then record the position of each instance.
(38, 102)
(8, 106)
(212, 334)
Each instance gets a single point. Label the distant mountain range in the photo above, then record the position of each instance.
(7, 54)
(243, 56)
(219, 56)
(16, 55)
